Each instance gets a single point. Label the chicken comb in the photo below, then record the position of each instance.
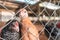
(16, 23)
(22, 9)
(58, 25)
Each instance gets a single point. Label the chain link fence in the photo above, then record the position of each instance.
(50, 17)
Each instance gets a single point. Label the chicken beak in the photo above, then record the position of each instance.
(16, 26)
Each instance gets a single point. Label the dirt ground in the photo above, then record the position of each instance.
(39, 27)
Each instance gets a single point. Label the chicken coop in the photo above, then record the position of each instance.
(29, 19)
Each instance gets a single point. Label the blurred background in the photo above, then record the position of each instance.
(40, 13)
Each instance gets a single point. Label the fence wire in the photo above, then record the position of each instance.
(49, 28)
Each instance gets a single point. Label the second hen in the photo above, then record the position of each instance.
(11, 31)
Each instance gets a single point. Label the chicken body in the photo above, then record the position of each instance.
(11, 31)
(29, 31)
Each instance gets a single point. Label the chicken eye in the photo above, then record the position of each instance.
(15, 23)
(25, 11)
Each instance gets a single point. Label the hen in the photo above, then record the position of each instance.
(29, 31)
(11, 31)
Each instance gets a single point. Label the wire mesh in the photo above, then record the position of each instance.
(50, 22)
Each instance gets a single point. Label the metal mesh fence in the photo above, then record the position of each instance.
(50, 29)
